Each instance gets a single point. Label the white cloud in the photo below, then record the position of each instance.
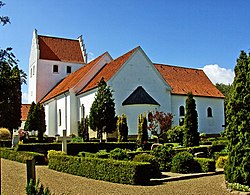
(24, 98)
(91, 56)
(218, 74)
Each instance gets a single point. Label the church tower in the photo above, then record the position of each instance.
(51, 60)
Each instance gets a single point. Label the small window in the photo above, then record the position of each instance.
(34, 70)
(182, 111)
(30, 72)
(68, 69)
(55, 68)
(209, 112)
(59, 117)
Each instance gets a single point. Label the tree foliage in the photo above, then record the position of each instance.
(238, 126)
(122, 128)
(191, 134)
(3, 19)
(159, 123)
(11, 79)
(36, 120)
(83, 129)
(142, 137)
(102, 112)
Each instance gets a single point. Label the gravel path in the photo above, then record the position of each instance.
(14, 182)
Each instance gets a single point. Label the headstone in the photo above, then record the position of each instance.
(31, 170)
(64, 142)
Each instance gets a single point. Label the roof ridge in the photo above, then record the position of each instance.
(176, 66)
(54, 37)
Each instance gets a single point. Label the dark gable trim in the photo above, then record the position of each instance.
(139, 96)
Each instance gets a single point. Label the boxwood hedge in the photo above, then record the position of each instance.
(125, 172)
(21, 156)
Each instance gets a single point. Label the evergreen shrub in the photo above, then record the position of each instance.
(33, 188)
(4, 134)
(164, 155)
(116, 171)
(206, 164)
(221, 161)
(184, 162)
(155, 167)
(119, 154)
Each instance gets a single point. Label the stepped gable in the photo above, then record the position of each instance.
(60, 49)
(108, 71)
(71, 80)
(184, 80)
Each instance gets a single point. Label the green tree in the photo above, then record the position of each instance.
(36, 120)
(142, 136)
(122, 128)
(102, 112)
(11, 79)
(191, 134)
(83, 129)
(238, 126)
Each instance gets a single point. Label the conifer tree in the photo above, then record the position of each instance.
(191, 135)
(142, 136)
(83, 129)
(238, 126)
(102, 112)
(122, 128)
(36, 120)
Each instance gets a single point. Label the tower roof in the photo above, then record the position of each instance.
(60, 49)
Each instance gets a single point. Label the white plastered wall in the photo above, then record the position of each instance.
(139, 71)
(208, 125)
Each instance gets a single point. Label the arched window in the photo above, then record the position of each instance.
(181, 111)
(209, 112)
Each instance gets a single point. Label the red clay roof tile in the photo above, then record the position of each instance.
(25, 110)
(108, 71)
(184, 80)
(60, 49)
(71, 80)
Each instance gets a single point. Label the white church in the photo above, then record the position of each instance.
(65, 83)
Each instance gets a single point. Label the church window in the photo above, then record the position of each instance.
(68, 69)
(55, 68)
(181, 111)
(59, 117)
(30, 72)
(34, 70)
(181, 121)
(209, 112)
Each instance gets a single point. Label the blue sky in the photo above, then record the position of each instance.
(189, 33)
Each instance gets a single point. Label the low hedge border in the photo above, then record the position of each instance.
(22, 156)
(206, 164)
(124, 172)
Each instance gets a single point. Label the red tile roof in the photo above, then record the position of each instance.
(25, 110)
(71, 80)
(184, 80)
(60, 49)
(108, 71)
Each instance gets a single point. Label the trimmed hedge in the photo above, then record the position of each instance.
(5, 143)
(125, 172)
(22, 156)
(206, 164)
(75, 148)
